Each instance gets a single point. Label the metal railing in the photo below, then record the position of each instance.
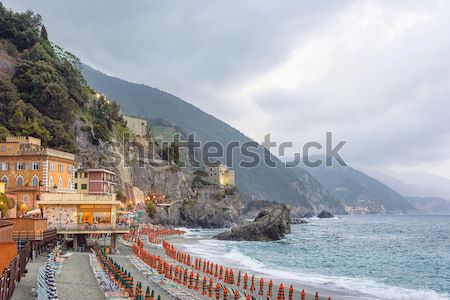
(90, 227)
(75, 197)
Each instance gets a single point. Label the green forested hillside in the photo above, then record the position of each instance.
(42, 90)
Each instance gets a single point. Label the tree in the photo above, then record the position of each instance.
(151, 209)
(5, 204)
(44, 33)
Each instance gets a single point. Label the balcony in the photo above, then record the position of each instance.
(31, 229)
(26, 188)
(76, 198)
(46, 235)
(91, 228)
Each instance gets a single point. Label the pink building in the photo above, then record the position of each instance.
(95, 181)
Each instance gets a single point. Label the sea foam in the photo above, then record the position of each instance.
(228, 254)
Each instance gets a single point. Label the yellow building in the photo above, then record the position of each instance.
(219, 174)
(82, 215)
(28, 169)
(75, 209)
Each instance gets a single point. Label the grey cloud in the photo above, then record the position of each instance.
(381, 86)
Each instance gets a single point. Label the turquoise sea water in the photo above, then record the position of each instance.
(380, 256)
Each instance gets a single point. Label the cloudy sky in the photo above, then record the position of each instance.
(375, 73)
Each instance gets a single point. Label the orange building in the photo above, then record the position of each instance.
(28, 169)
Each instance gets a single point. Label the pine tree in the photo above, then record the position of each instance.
(44, 33)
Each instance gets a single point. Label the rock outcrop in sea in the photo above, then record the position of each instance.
(269, 225)
(325, 214)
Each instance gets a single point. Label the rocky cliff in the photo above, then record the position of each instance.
(269, 225)
(203, 213)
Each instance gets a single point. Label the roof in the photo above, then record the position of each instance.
(89, 170)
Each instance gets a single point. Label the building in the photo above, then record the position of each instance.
(28, 169)
(83, 215)
(94, 181)
(219, 174)
(137, 126)
(90, 211)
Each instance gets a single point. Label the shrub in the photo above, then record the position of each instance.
(151, 209)
(11, 50)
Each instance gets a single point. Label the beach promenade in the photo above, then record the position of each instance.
(76, 280)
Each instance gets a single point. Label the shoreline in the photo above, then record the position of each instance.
(182, 243)
(326, 288)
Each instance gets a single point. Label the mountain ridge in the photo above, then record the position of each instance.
(360, 192)
(275, 184)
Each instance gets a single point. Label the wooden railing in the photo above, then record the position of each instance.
(13, 273)
(90, 227)
(6, 229)
(32, 235)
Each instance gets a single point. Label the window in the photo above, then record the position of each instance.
(4, 166)
(35, 165)
(69, 169)
(35, 181)
(84, 186)
(76, 174)
(75, 186)
(51, 182)
(52, 167)
(19, 181)
(5, 180)
(3, 148)
(20, 166)
(60, 185)
(69, 184)
(26, 199)
(60, 168)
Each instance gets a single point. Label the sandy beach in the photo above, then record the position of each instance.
(339, 294)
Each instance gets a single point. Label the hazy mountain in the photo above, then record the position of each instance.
(413, 184)
(279, 184)
(359, 192)
(430, 205)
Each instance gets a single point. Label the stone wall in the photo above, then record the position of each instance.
(137, 125)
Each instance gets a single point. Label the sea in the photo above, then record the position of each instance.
(371, 257)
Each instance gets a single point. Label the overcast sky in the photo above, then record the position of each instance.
(375, 73)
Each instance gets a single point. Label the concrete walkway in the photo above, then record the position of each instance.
(77, 281)
(23, 289)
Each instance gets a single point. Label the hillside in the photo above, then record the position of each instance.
(359, 192)
(42, 92)
(430, 205)
(277, 184)
(410, 184)
(44, 95)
